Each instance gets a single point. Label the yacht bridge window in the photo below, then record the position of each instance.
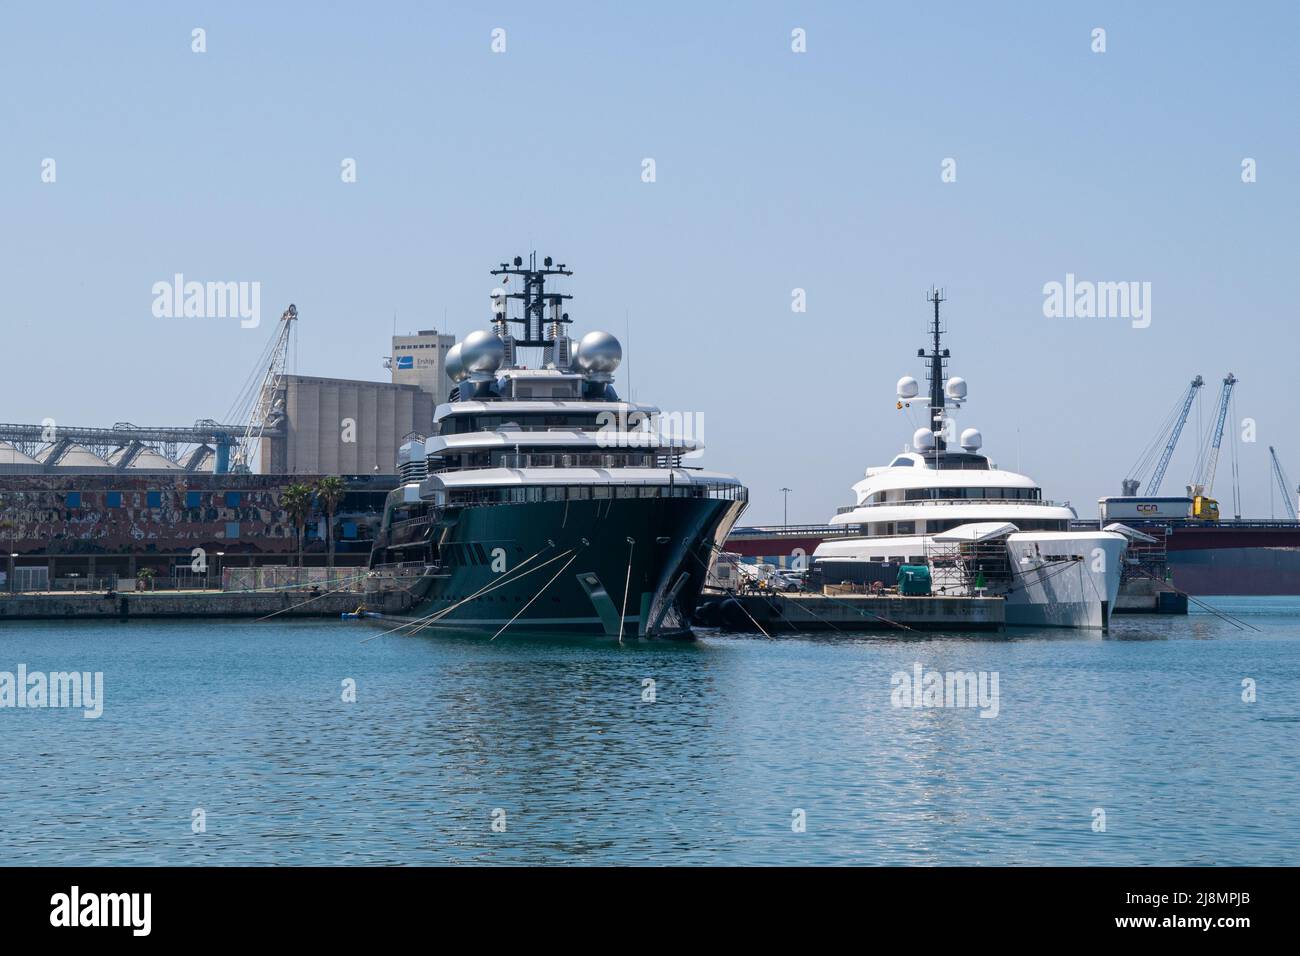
(463, 497)
(524, 421)
(977, 492)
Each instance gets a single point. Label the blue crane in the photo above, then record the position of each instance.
(1203, 479)
(1173, 428)
(1284, 483)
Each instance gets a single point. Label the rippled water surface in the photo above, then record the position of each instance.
(245, 721)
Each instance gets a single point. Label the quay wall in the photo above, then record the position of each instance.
(176, 604)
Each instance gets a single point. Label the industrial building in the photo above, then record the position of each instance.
(77, 529)
(334, 426)
(421, 360)
(88, 504)
(297, 425)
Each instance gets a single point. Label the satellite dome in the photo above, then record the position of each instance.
(481, 353)
(923, 439)
(453, 365)
(956, 388)
(971, 439)
(598, 352)
(907, 387)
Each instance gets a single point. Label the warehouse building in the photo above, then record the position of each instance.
(335, 426)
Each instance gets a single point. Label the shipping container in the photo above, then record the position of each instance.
(1137, 508)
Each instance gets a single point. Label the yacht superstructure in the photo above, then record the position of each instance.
(981, 529)
(544, 502)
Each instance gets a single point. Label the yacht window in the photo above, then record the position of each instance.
(902, 463)
(907, 527)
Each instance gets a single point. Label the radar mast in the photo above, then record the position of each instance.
(936, 362)
(534, 299)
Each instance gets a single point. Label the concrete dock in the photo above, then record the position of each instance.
(174, 604)
(1150, 596)
(785, 611)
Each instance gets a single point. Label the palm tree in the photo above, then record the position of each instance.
(329, 492)
(296, 501)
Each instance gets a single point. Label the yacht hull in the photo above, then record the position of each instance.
(568, 568)
(1066, 579)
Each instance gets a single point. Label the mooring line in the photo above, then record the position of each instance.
(347, 583)
(878, 617)
(751, 617)
(806, 610)
(429, 618)
(627, 584)
(713, 547)
(1236, 622)
(439, 615)
(535, 596)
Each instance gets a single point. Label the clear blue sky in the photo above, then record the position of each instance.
(775, 171)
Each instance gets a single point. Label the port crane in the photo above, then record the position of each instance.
(1170, 429)
(1202, 483)
(259, 406)
(1289, 491)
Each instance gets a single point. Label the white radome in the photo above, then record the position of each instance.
(923, 439)
(971, 439)
(956, 388)
(908, 387)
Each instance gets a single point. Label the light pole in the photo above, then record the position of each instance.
(13, 584)
(785, 507)
(220, 555)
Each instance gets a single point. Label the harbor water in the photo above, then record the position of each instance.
(1169, 741)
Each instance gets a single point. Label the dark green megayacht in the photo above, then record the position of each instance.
(543, 502)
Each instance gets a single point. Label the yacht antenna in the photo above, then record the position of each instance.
(935, 360)
(535, 298)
